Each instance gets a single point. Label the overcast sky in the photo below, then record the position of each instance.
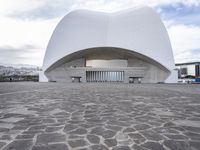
(26, 25)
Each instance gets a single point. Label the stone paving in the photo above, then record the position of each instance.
(52, 116)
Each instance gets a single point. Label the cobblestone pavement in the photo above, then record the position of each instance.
(52, 116)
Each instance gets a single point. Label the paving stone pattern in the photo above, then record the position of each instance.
(99, 116)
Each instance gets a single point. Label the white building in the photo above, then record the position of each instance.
(188, 69)
(126, 46)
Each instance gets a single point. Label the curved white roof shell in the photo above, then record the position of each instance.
(140, 30)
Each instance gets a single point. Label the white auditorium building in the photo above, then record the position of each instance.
(127, 46)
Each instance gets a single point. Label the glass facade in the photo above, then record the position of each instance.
(197, 70)
(104, 76)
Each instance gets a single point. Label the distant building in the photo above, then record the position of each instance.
(188, 69)
(127, 46)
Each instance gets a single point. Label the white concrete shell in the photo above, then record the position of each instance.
(139, 30)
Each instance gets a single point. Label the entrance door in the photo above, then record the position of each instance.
(104, 76)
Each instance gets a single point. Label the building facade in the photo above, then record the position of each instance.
(188, 69)
(127, 46)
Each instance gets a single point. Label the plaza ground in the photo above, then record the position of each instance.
(99, 116)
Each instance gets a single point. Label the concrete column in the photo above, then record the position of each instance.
(126, 77)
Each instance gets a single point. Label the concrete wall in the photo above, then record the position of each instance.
(42, 77)
(75, 63)
(64, 72)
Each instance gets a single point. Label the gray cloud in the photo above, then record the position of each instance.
(51, 9)
(11, 55)
(188, 56)
(179, 10)
(25, 48)
(181, 13)
(57, 8)
(195, 51)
